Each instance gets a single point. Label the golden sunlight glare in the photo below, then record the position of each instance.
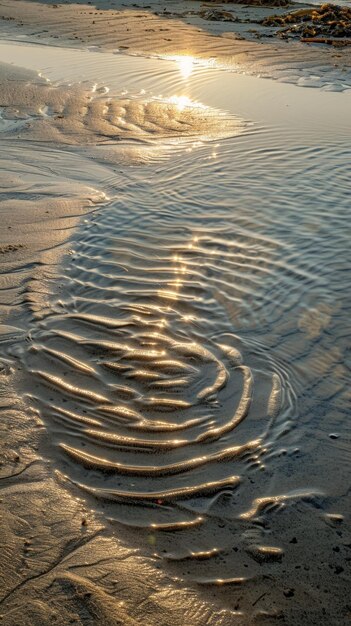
(186, 66)
(181, 102)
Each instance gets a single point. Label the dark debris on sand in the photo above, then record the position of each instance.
(328, 23)
(217, 15)
(254, 3)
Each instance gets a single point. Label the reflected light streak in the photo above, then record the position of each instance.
(187, 63)
(183, 101)
(186, 66)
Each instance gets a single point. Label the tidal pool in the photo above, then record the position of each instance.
(187, 353)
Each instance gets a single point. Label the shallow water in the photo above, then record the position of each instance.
(188, 355)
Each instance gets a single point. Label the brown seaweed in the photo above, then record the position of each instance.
(328, 24)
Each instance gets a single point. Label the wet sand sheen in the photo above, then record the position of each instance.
(165, 358)
(132, 29)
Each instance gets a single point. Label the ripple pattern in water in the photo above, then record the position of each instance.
(166, 363)
(134, 386)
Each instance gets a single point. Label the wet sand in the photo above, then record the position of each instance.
(175, 28)
(173, 378)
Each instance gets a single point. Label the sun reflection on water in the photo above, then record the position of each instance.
(186, 66)
(181, 274)
(187, 63)
(182, 102)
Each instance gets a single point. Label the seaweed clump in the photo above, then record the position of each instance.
(328, 23)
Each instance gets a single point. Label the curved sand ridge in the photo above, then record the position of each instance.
(149, 415)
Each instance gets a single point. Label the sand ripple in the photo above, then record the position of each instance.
(166, 352)
(148, 413)
(81, 114)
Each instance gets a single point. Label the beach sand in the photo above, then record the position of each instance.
(175, 28)
(63, 563)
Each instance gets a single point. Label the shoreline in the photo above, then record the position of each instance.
(167, 30)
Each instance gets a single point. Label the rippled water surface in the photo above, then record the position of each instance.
(188, 355)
